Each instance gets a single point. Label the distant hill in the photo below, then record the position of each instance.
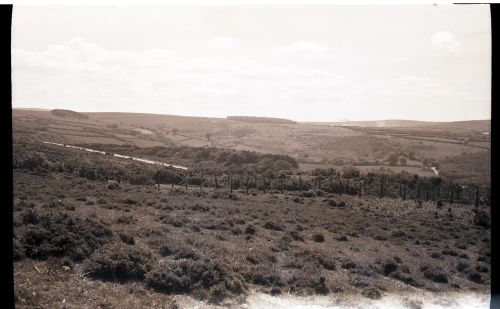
(68, 113)
(260, 119)
(379, 123)
(479, 125)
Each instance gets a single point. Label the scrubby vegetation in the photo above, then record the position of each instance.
(58, 234)
(101, 220)
(185, 243)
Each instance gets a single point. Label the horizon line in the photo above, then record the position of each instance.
(306, 121)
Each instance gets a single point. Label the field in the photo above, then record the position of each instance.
(428, 144)
(264, 207)
(216, 246)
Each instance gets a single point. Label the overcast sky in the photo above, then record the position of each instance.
(317, 63)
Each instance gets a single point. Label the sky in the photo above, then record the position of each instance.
(306, 63)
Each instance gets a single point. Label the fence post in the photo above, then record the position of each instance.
(359, 189)
(230, 183)
(477, 196)
(451, 194)
(246, 183)
(186, 179)
(381, 187)
(404, 192)
(215, 179)
(201, 182)
(427, 192)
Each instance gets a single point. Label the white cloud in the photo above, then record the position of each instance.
(91, 77)
(304, 49)
(223, 42)
(219, 77)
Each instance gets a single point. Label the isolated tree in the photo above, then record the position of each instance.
(403, 161)
(393, 159)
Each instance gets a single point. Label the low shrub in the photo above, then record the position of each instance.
(128, 239)
(183, 276)
(482, 218)
(61, 235)
(318, 238)
(462, 266)
(372, 293)
(250, 230)
(475, 277)
(179, 250)
(389, 267)
(273, 226)
(435, 275)
(119, 263)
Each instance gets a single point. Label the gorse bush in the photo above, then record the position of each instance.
(61, 235)
(32, 160)
(119, 263)
(186, 275)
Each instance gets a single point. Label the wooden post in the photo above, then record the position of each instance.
(201, 182)
(359, 192)
(300, 183)
(157, 179)
(427, 192)
(438, 191)
(215, 179)
(418, 191)
(451, 193)
(382, 187)
(364, 186)
(230, 183)
(186, 179)
(477, 196)
(400, 190)
(264, 184)
(340, 187)
(404, 192)
(246, 184)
